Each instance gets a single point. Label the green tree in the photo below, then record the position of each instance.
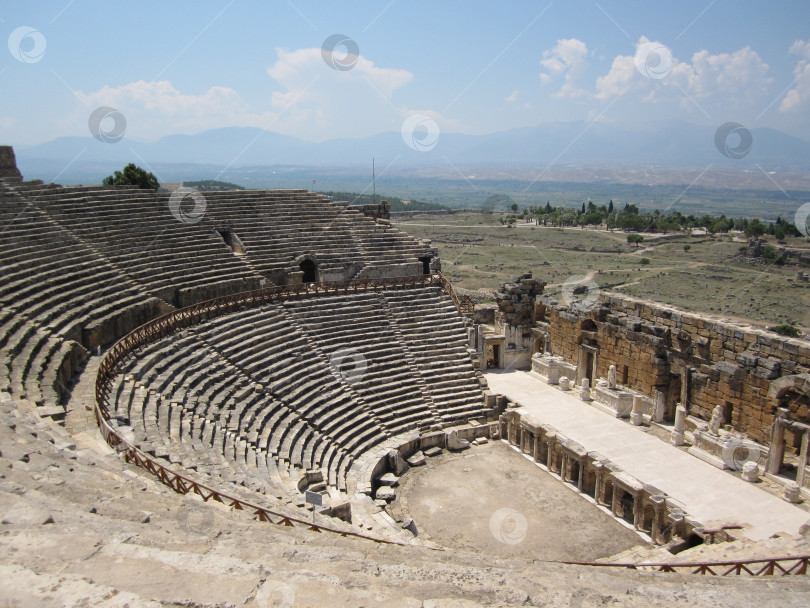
(514, 207)
(754, 228)
(635, 239)
(132, 175)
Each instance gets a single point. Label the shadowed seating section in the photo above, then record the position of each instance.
(82, 266)
(277, 227)
(261, 396)
(57, 293)
(135, 231)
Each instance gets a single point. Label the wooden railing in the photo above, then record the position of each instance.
(464, 305)
(191, 315)
(775, 566)
(164, 326)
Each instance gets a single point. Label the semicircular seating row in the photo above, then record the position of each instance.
(82, 266)
(258, 397)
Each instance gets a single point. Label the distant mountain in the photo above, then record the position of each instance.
(664, 144)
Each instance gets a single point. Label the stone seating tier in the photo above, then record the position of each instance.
(265, 388)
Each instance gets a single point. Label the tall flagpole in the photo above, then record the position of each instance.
(373, 181)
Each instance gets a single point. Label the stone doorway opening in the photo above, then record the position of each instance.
(493, 352)
(426, 264)
(231, 240)
(789, 450)
(310, 270)
(586, 364)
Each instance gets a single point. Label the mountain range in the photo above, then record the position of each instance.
(670, 144)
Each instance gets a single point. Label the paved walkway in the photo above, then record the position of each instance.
(707, 493)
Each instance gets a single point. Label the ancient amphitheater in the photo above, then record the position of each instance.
(267, 398)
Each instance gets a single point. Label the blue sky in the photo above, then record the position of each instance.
(184, 67)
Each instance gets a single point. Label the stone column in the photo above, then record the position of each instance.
(636, 417)
(792, 493)
(800, 472)
(660, 407)
(658, 503)
(680, 424)
(550, 439)
(676, 523)
(750, 472)
(614, 500)
(597, 483)
(585, 390)
(777, 447)
(686, 377)
(637, 510)
(581, 478)
(563, 464)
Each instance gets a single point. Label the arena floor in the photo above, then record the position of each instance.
(492, 500)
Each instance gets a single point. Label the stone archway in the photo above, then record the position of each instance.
(790, 433)
(309, 270)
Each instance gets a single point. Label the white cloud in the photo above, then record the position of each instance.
(566, 59)
(621, 77)
(800, 93)
(729, 77)
(512, 97)
(313, 101)
(318, 102)
(725, 78)
(155, 109)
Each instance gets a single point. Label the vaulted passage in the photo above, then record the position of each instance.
(310, 270)
(232, 241)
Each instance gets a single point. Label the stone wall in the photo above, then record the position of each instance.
(697, 360)
(515, 318)
(382, 211)
(8, 164)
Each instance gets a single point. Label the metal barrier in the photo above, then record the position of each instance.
(162, 327)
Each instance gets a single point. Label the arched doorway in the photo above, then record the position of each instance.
(789, 449)
(310, 270)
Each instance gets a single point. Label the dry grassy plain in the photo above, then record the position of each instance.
(477, 251)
